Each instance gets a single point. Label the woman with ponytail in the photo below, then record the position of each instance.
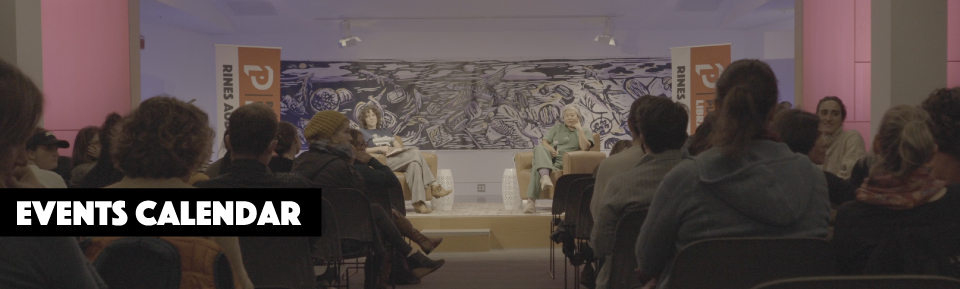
(748, 184)
(900, 194)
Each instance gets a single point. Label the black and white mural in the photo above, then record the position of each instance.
(451, 105)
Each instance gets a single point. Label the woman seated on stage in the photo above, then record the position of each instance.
(562, 138)
(382, 141)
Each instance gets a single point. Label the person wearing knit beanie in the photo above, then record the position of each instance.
(323, 125)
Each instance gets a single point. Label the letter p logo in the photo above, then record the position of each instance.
(713, 76)
(253, 79)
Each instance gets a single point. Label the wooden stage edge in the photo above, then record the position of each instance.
(506, 231)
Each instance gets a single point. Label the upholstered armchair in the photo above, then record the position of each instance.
(578, 162)
(431, 159)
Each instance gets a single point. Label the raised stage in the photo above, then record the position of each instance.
(478, 227)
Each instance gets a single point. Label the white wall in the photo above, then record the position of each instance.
(181, 63)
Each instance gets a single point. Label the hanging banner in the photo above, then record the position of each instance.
(245, 75)
(695, 73)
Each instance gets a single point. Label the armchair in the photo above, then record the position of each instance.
(431, 159)
(578, 162)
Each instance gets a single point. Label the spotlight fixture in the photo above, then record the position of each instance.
(347, 39)
(607, 36)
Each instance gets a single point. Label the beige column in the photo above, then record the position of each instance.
(20, 38)
(909, 53)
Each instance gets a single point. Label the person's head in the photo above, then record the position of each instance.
(330, 126)
(105, 173)
(42, 149)
(798, 129)
(832, 113)
(571, 115)
(163, 138)
(370, 117)
(253, 132)
(21, 104)
(288, 140)
(633, 116)
(86, 147)
(619, 146)
(663, 124)
(904, 140)
(746, 95)
(700, 141)
(943, 105)
(357, 141)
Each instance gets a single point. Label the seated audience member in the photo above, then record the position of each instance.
(746, 185)
(620, 146)
(22, 106)
(662, 127)
(288, 146)
(563, 137)
(901, 193)
(253, 133)
(798, 129)
(45, 262)
(843, 147)
(86, 150)
(42, 157)
(381, 140)
(700, 140)
(219, 166)
(104, 173)
(617, 164)
(943, 105)
(161, 144)
(329, 164)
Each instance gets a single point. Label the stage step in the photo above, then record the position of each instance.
(461, 240)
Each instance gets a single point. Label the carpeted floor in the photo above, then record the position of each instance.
(513, 268)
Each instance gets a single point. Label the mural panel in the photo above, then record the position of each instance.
(468, 105)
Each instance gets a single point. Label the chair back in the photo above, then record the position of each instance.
(562, 190)
(584, 217)
(354, 219)
(139, 262)
(327, 246)
(926, 250)
(864, 282)
(572, 204)
(624, 259)
(279, 261)
(747, 262)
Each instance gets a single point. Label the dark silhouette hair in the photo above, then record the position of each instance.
(797, 128)
(81, 143)
(252, 128)
(286, 137)
(163, 138)
(21, 104)
(843, 108)
(633, 117)
(663, 124)
(619, 146)
(700, 141)
(104, 173)
(943, 105)
(746, 94)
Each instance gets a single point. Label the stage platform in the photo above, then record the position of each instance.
(479, 227)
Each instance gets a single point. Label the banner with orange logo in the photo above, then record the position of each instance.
(695, 73)
(245, 75)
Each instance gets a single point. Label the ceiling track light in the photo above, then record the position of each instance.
(347, 39)
(607, 36)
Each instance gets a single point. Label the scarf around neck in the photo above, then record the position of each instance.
(344, 150)
(900, 193)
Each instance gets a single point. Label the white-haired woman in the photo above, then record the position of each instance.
(548, 156)
(381, 140)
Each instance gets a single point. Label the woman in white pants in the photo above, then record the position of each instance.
(381, 140)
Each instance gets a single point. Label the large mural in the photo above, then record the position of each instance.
(451, 105)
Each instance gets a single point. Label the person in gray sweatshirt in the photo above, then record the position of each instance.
(747, 185)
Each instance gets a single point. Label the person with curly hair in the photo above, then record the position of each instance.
(943, 105)
(382, 141)
(843, 147)
(161, 144)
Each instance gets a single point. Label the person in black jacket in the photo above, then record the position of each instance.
(252, 139)
(288, 146)
(798, 129)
